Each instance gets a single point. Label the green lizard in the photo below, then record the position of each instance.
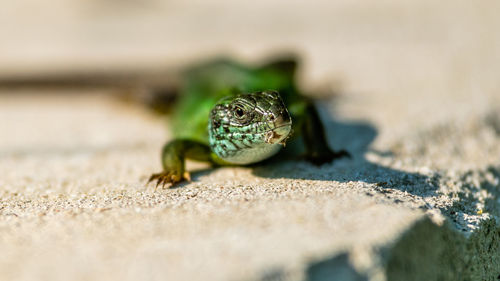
(233, 114)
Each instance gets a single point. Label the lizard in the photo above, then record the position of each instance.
(230, 113)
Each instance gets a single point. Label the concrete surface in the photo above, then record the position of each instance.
(418, 105)
(74, 204)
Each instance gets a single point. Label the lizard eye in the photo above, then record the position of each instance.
(239, 112)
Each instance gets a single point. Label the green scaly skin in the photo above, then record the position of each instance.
(231, 114)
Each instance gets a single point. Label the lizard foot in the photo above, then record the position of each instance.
(324, 157)
(170, 176)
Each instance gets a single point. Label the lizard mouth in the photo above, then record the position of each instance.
(279, 134)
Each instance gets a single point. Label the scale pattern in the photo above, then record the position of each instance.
(248, 128)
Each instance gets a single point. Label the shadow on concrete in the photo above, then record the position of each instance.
(355, 137)
(335, 268)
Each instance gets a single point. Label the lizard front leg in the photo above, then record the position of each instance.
(317, 150)
(173, 158)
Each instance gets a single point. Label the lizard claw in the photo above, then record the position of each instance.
(169, 176)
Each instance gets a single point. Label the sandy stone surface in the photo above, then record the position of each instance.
(417, 103)
(74, 204)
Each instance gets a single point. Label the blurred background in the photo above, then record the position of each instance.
(386, 46)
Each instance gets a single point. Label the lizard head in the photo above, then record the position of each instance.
(248, 128)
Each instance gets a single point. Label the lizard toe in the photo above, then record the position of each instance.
(166, 177)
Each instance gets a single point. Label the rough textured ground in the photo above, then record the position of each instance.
(74, 204)
(417, 104)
